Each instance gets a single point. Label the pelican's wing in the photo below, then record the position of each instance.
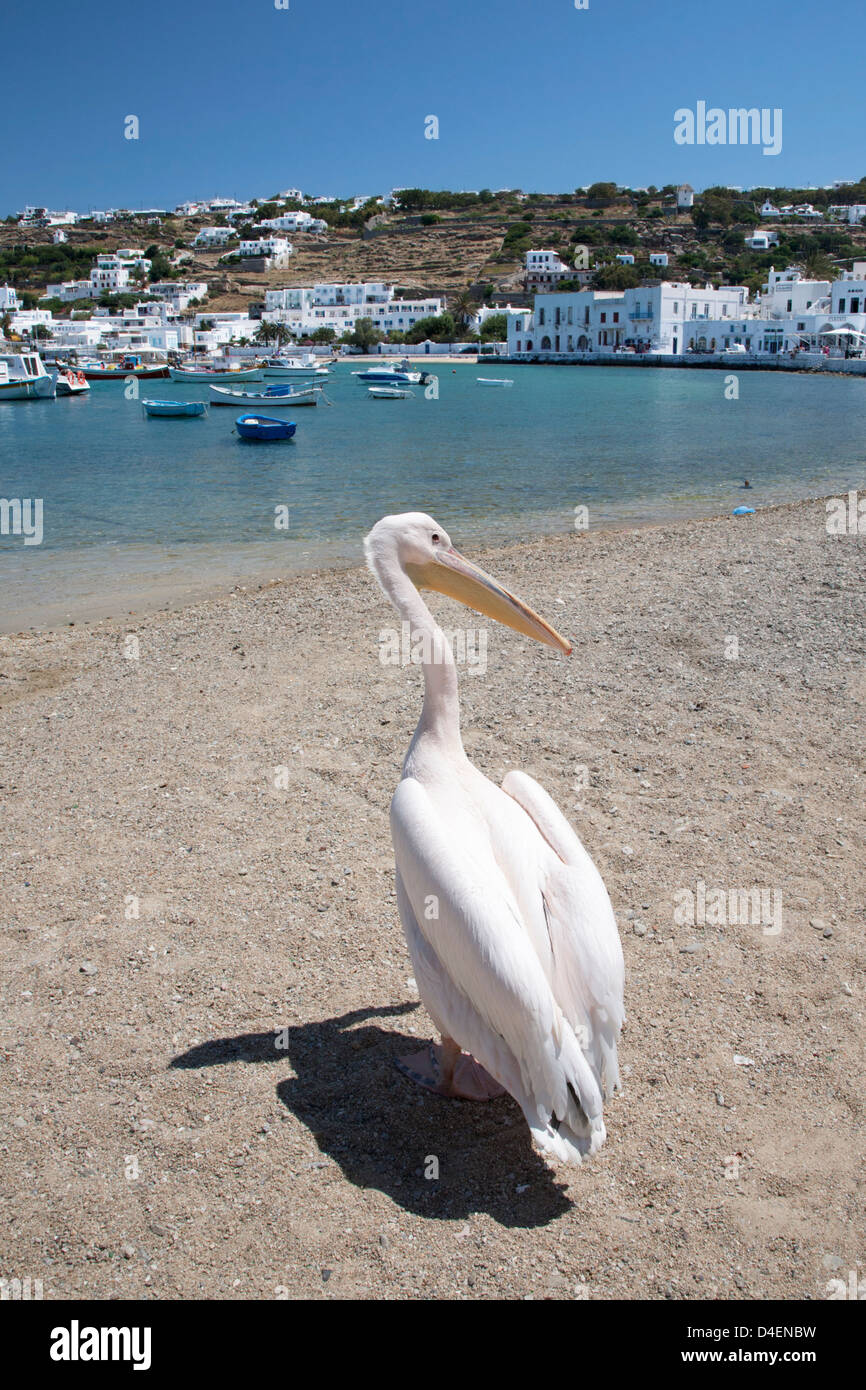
(587, 963)
(482, 980)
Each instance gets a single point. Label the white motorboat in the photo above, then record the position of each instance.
(23, 377)
(71, 382)
(288, 367)
(392, 374)
(494, 381)
(390, 393)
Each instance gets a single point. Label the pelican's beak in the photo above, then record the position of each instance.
(450, 573)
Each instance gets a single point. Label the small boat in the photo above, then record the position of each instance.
(208, 375)
(390, 393)
(494, 381)
(264, 427)
(174, 408)
(274, 395)
(23, 377)
(71, 382)
(399, 374)
(132, 364)
(293, 367)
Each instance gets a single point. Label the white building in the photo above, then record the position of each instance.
(9, 301)
(685, 196)
(856, 213)
(761, 240)
(213, 236)
(303, 309)
(69, 290)
(273, 248)
(768, 210)
(625, 258)
(179, 293)
(215, 331)
(658, 258)
(648, 318)
(292, 195)
(544, 268)
(294, 222)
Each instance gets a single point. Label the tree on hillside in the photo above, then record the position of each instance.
(615, 277)
(603, 193)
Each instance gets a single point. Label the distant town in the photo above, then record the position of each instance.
(618, 274)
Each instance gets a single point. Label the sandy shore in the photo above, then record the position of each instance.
(161, 1137)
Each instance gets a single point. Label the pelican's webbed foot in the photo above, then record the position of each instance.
(447, 1071)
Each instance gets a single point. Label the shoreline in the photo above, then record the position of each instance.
(188, 587)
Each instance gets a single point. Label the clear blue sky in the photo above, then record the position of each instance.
(238, 98)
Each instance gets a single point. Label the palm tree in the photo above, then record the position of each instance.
(463, 307)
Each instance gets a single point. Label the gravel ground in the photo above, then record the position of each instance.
(204, 980)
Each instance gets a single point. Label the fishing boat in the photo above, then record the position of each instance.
(400, 374)
(174, 408)
(71, 382)
(208, 375)
(23, 377)
(494, 381)
(293, 367)
(129, 364)
(264, 427)
(274, 395)
(390, 393)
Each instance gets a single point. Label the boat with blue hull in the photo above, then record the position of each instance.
(264, 428)
(175, 409)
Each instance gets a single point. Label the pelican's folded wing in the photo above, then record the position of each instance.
(491, 988)
(588, 971)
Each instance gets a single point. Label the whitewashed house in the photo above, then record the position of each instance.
(685, 196)
(9, 301)
(213, 236)
(544, 268)
(274, 248)
(658, 258)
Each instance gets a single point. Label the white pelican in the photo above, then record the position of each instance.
(510, 929)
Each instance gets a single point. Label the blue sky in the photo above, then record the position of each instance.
(238, 98)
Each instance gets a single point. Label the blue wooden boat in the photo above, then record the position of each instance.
(264, 427)
(174, 408)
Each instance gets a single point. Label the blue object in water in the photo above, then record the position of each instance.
(264, 427)
(743, 511)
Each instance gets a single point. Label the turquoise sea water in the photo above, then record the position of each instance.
(131, 502)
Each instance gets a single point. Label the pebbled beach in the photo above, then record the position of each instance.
(204, 979)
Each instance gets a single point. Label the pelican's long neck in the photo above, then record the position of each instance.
(440, 714)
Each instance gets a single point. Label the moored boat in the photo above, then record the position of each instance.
(129, 364)
(71, 382)
(390, 393)
(23, 377)
(494, 381)
(174, 408)
(208, 375)
(274, 395)
(399, 374)
(262, 428)
(293, 367)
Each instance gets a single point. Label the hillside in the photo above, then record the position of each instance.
(475, 245)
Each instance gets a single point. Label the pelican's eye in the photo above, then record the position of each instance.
(435, 537)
